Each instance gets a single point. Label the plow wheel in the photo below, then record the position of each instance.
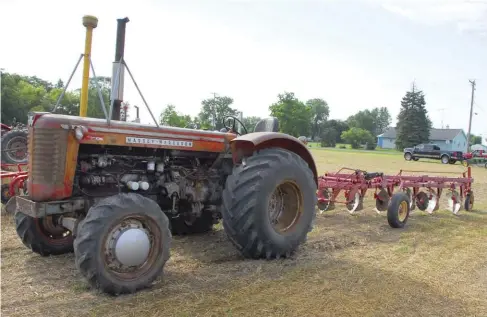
(422, 201)
(469, 200)
(454, 201)
(398, 211)
(382, 200)
(327, 204)
(355, 204)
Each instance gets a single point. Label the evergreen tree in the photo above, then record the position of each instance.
(413, 124)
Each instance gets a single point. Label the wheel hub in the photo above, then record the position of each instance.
(128, 246)
(16, 148)
(285, 206)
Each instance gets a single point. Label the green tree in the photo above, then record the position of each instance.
(475, 139)
(375, 121)
(329, 137)
(22, 94)
(319, 112)
(338, 125)
(250, 122)
(214, 110)
(357, 136)
(383, 120)
(170, 117)
(294, 116)
(413, 124)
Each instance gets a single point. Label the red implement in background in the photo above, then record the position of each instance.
(415, 190)
(17, 175)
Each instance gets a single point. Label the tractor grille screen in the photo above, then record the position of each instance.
(48, 156)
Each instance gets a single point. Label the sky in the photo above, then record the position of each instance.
(355, 54)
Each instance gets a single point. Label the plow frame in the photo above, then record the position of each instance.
(354, 181)
(16, 178)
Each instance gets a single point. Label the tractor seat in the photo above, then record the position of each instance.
(270, 124)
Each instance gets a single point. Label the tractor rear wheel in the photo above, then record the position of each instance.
(123, 243)
(42, 235)
(269, 204)
(14, 147)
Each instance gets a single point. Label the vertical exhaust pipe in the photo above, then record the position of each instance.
(117, 95)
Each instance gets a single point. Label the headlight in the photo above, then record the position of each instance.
(79, 132)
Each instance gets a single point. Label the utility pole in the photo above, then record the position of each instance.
(472, 82)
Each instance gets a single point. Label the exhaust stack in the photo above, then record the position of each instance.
(117, 95)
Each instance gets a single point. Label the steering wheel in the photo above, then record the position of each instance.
(233, 127)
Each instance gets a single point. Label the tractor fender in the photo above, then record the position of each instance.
(245, 145)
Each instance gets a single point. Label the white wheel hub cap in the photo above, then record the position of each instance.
(132, 247)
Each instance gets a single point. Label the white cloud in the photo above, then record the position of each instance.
(468, 16)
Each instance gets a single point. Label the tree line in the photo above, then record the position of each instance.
(296, 117)
(310, 118)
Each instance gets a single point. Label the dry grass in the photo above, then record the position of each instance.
(350, 266)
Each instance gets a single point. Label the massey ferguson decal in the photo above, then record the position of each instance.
(136, 140)
(93, 138)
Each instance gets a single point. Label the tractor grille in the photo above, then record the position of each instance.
(48, 156)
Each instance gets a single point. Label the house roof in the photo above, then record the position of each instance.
(435, 134)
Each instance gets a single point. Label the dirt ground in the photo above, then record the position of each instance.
(350, 266)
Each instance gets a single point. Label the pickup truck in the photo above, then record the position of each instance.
(432, 151)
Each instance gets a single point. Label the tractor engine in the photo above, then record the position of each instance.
(183, 184)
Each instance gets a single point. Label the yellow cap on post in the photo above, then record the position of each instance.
(90, 22)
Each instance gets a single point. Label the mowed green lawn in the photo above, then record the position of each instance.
(350, 266)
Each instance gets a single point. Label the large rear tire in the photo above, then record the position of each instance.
(123, 244)
(42, 235)
(14, 147)
(271, 181)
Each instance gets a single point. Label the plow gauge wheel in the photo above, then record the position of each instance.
(398, 210)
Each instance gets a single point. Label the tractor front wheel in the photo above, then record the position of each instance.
(123, 243)
(269, 204)
(42, 235)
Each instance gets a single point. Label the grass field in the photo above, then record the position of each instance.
(350, 266)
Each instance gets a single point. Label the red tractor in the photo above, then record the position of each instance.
(115, 193)
(476, 153)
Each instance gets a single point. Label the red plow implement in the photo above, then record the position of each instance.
(398, 194)
(16, 175)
